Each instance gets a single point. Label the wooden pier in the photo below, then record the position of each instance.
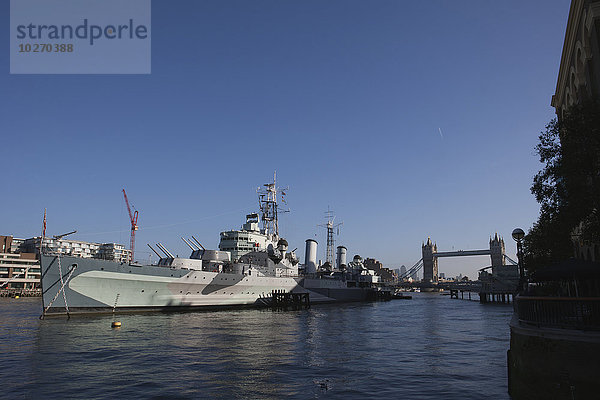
(282, 300)
(484, 297)
(12, 292)
(454, 294)
(379, 295)
(496, 297)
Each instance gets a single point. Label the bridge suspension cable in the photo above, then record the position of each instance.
(511, 260)
(414, 269)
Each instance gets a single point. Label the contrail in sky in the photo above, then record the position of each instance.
(442, 136)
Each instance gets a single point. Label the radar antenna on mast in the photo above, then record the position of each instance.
(330, 226)
(267, 203)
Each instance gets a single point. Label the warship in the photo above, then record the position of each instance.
(250, 265)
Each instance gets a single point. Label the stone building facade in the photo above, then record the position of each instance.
(385, 274)
(579, 81)
(579, 73)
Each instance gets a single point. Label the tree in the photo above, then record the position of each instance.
(567, 187)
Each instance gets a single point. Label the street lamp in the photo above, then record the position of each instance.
(518, 235)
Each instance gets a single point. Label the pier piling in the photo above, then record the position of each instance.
(282, 300)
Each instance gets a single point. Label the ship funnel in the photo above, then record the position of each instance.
(310, 256)
(341, 257)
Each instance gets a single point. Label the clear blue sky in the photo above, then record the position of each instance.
(345, 99)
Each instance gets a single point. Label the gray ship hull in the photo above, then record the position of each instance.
(93, 285)
(335, 289)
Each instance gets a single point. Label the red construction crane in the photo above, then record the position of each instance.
(133, 218)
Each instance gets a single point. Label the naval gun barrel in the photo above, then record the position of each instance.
(189, 245)
(167, 252)
(155, 252)
(199, 244)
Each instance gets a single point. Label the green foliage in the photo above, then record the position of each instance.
(567, 187)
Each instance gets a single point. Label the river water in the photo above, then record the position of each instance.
(430, 347)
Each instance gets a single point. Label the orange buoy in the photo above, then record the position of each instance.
(116, 324)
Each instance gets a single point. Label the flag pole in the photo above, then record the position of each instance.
(43, 233)
(40, 259)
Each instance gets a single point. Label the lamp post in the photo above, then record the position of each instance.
(518, 235)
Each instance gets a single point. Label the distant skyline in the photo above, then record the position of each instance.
(410, 120)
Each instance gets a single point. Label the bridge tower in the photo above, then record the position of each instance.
(497, 253)
(430, 263)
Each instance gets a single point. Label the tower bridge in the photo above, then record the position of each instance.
(429, 261)
(431, 254)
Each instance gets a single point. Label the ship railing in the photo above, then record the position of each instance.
(581, 313)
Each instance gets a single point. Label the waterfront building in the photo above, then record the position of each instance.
(112, 251)
(385, 274)
(19, 262)
(579, 73)
(77, 248)
(17, 270)
(60, 246)
(579, 81)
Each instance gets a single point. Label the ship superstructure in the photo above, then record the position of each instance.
(261, 230)
(245, 240)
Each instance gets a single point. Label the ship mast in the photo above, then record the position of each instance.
(267, 202)
(330, 226)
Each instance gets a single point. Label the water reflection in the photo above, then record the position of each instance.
(227, 353)
(432, 343)
(423, 348)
